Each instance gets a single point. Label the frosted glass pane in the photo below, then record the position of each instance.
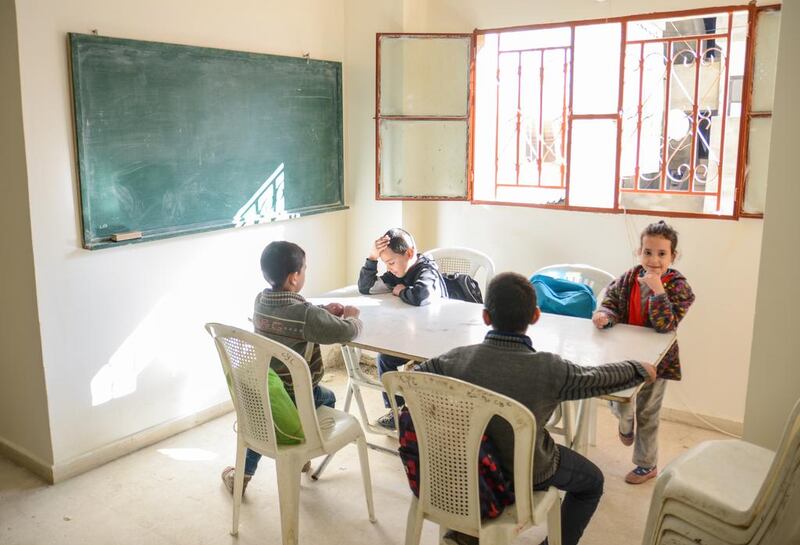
(766, 55)
(758, 165)
(596, 69)
(424, 75)
(593, 163)
(423, 158)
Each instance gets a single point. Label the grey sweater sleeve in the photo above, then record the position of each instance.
(322, 327)
(591, 381)
(368, 281)
(430, 366)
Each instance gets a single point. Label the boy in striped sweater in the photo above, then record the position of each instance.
(507, 363)
(283, 315)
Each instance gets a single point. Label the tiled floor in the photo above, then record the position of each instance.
(171, 493)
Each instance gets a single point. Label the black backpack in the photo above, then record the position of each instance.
(463, 287)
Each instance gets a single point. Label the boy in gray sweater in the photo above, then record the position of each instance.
(283, 315)
(507, 363)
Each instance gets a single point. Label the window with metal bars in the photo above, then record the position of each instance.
(667, 113)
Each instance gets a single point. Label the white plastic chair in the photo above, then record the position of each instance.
(450, 416)
(463, 260)
(597, 280)
(730, 492)
(245, 361)
(356, 381)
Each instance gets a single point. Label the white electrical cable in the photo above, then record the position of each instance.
(703, 420)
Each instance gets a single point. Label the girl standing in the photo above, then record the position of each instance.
(651, 294)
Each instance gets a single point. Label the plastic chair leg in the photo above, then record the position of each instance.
(316, 475)
(348, 398)
(414, 523)
(568, 417)
(289, 498)
(363, 459)
(238, 485)
(554, 524)
(362, 409)
(592, 406)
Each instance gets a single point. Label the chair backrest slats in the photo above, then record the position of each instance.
(245, 358)
(450, 417)
(463, 260)
(596, 279)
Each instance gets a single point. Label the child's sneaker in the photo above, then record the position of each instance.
(228, 475)
(641, 474)
(625, 438)
(387, 421)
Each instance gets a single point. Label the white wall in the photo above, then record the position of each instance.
(774, 372)
(368, 218)
(720, 257)
(121, 329)
(24, 426)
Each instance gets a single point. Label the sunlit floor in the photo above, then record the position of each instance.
(171, 493)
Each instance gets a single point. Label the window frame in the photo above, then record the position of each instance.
(740, 180)
(389, 117)
(748, 114)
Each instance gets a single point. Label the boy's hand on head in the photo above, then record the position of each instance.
(334, 308)
(378, 246)
(398, 289)
(653, 281)
(350, 312)
(600, 319)
(651, 372)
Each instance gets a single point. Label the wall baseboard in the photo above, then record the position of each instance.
(85, 462)
(26, 459)
(689, 418)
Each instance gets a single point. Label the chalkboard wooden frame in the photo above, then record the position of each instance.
(173, 139)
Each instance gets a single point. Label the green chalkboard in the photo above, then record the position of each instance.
(174, 139)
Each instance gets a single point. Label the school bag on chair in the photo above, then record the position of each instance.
(557, 296)
(463, 287)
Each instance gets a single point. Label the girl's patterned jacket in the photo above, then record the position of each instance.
(664, 311)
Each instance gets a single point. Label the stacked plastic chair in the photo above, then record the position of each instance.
(730, 493)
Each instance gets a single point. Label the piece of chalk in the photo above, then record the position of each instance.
(131, 235)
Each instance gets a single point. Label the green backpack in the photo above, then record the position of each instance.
(288, 429)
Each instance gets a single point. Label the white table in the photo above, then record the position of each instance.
(420, 333)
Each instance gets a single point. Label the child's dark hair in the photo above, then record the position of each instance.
(661, 229)
(280, 259)
(400, 240)
(511, 302)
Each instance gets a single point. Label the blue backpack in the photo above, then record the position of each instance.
(557, 296)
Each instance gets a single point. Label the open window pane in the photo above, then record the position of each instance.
(424, 76)
(765, 60)
(758, 165)
(423, 158)
(596, 60)
(679, 138)
(594, 161)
